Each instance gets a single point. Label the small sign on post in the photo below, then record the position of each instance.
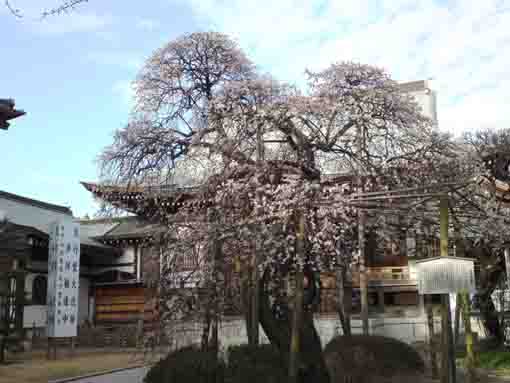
(446, 275)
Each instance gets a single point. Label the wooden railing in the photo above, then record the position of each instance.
(384, 274)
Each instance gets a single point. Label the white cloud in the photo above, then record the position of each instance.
(464, 45)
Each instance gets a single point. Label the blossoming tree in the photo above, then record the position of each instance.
(274, 169)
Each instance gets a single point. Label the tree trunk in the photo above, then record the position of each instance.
(278, 331)
(343, 315)
(205, 330)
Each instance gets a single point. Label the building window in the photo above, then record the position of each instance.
(39, 289)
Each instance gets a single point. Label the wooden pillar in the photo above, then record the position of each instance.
(507, 265)
(432, 344)
(380, 299)
(254, 306)
(297, 312)
(448, 367)
(363, 277)
(471, 361)
(421, 305)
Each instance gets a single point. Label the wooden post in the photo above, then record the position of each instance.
(507, 264)
(258, 249)
(432, 345)
(343, 311)
(448, 368)
(297, 312)
(363, 279)
(72, 346)
(459, 252)
(421, 305)
(470, 350)
(380, 299)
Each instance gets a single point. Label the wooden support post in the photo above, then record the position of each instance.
(471, 360)
(48, 349)
(297, 312)
(432, 345)
(72, 346)
(448, 367)
(380, 299)
(257, 259)
(421, 305)
(507, 265)
(363, 278)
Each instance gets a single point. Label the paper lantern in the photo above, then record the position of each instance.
(444, 275)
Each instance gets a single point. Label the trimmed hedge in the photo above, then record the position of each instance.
(187, 365)
(254, 365)
(362, 358)
(245, 365)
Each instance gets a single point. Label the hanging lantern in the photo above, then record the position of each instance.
(444, 275)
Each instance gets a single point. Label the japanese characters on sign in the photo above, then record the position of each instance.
(446, 275)
(63, 279)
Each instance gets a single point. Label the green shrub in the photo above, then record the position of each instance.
(495, 360)
(187, 365)
(247, 364)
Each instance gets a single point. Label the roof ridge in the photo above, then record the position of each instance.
(105, 220)
(35, 202)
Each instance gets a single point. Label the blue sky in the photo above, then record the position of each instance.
(72, 73)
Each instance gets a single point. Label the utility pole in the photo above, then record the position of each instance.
(448, 368)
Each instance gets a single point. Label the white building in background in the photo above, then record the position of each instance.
(424, 95)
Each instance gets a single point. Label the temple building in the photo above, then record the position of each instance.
(110, 288)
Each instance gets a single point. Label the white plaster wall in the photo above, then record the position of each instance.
(29, 215)
(427, 101)
(127, 256)
(33, 314)
(233, 331)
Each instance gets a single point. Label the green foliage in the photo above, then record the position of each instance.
(245, 365)
(187, 365)
(248, 364)
(495, 360)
